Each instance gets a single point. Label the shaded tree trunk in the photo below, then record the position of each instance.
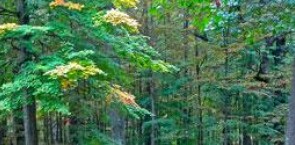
(227, 97)
(30, 122)
(186, 108)
(277, 53)
(18, 135)
(199, 97)
(117, 126)
(290, 136)
(29, 109)
(147, 30)
(2, 131)
(280, 50)
(246, 139)
(46, 132)
(150, 89)
(264, 66)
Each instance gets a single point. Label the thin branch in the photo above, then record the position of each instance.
(6, 14)
(4, 11)
(202, 37)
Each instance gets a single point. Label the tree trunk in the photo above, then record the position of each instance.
(30, 122)
(199, 97)
(227, 98)
(280, 50)
(150, 89)
(2, 131)
(117, 126)
(59, 131)
(29, 109)
(290, 136)
(46, 130)
(186, 109)
(17, 135)
(148, 21)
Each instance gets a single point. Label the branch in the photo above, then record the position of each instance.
(6, 14)
(200, 36)
(274, 38)
(4, 11)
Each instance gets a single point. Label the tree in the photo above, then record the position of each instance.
(58, 59)
(70, 71)
(290, 126)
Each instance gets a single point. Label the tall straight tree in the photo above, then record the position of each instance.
(29, 109)
(290, 136)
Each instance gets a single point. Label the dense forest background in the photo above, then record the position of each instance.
(148, 72)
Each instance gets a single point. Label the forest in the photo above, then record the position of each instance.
(147, 72)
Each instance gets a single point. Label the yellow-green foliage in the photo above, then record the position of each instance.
(126, 3)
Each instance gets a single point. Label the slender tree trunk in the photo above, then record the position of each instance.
(2, 131)
(117, 126)
(226, 130)
(186, 109)
(46, 130)
(227, 97)
(290, 136)
(153, 109)
(50, 128)
(199, 97)
(29, 109)
(59, 131)
(148, 25)
(246, 139)
(17, 135)
(30, 122)
(151, 86)
(264, 66)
